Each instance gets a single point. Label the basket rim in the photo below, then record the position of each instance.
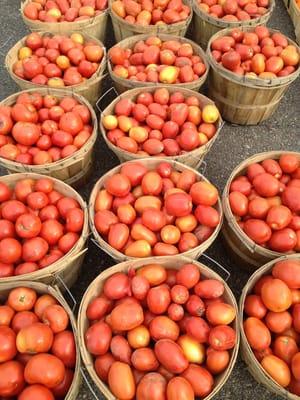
(232, 24)
(263, 270)
(243, 80)
(228, 215)
(43, 288)
(165, 37)
(66, 160)
(160, 28)
(105, 246)
(98, 74)
(135, 264)
(54, 268)
(129, 93)
(79, 24)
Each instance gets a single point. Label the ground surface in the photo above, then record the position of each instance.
(234, 144)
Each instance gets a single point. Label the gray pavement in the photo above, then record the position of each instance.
(234, 144)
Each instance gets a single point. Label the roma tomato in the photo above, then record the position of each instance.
(151, 387)
(178, 363)
(257, 333)
(56, 317)
(159, 299)
(222, 337)
(200, 379)
(278, 369)
(64, 348)
(121, 380)
(44, 369)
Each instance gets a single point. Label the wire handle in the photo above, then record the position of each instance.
(202, 167)
(227, 273)
(96, 243)
(62, 282)
(88, 383)
(104, 95)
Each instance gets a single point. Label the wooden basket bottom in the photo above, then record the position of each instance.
(243, 114)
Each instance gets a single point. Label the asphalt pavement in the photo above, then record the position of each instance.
(234, 144)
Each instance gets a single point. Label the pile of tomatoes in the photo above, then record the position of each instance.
(38, 226)
(266, 203)
(57, 60)
(151, 12)
(234, 10)
(43, 129)
(63, 10)
(155, 60)
(158, 332)
(161, 123)
(161, 212)
(37, 347)
(272, 323)
(258, 53)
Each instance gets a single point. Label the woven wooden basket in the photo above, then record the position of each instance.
(168, 262)
(149, 163)
(254, 367)
(90, 89)
(124, 29)
(41, 288)
(95, 26)
(192, 158)
(65, 271)
(246, 252)
(243, 100)
(294, 11)
(73, 170)
(122, 84)
(205, 26)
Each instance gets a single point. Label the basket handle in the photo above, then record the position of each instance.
(103, 96)
(83, 374)
(216, 263)
(62, 282)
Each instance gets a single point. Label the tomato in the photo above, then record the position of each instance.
(7, 229)
(178, 204)
(207, 216)
(285, 348)
(74, 220)
(6, 315)
(179, 388)
(178, 363)
(258, 207)
(23, 319)
(64, 348)
(118, 185)
(217, 361)
(195, 306)
(103, 220)
(62, 389)
(279, 217)
(261, 281)
(10, 250)
(26, 133)
(159, 299)
(179, 294)
(197, 328)
(42, 303)
(192, 350)
(296, 317)
(254, 306)
(209, 289)
(138, 337)
(290, 198)
(12, 381)
(102, 365)
(22, 299)
(278, 322)
(139, 287)
(257, 230)
(117, 286)
(120, 349)
(5, 192)
(44, 369)
(276, 295)
(8, 348)
(144, 359)
(289, 163)
(238, 203)
(35, 338)
(98, 307)
(34, 249)
(126, 316)
(56, 317)
(118, 235)
(162, 327)
(151, 387)
(188, 275)
(154, 273)
(121, 380)
(154, 219)
(28, 226)
(204, 193)
(278, 369)
(220, 314)
(283, 240)
(151, 183)
(200, 379)
(296, 366)
(257, 333)
(175, 312)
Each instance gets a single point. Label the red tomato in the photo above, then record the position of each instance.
(159, 299)
(254, 306)
(28, 226)
(22, 319)
(8, 348)
(200, 379)
(12, 381)
(35, 338)
(34, 249)
(44, 369)
(56, 317)
(64, 348)
(222, 337)
(62, 389)
(257, 333)
(22, 299)
(97, 338)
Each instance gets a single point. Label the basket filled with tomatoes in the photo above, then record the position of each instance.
(261, 203)
(174, 123)
(154, 208)
(63, 16)
(72, 61)
(165, 328)
(211, 16)
(43, 230)
(145, 60)
(270, 326)
(133, 17)
(39, 349)
(50, 132)
(250, 71)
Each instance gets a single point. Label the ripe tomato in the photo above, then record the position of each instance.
(158, 299)
(56, 317)
(64, 348)
(51, 231)
(34, 249)
(22, 299)
(200, 379)
(22, 319)
(278, 322)
(254, 306)
(28, 226)
(7, 229)
(278, 369)
(276, 295)
(6, 315)
(285, 348)
(222, 337)
(257, 333)
(44, 369)
(35, 338)
(97, 338)
(42, 303)
(217, 361)
(12, 379)
(62, 389)
(8, 348)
